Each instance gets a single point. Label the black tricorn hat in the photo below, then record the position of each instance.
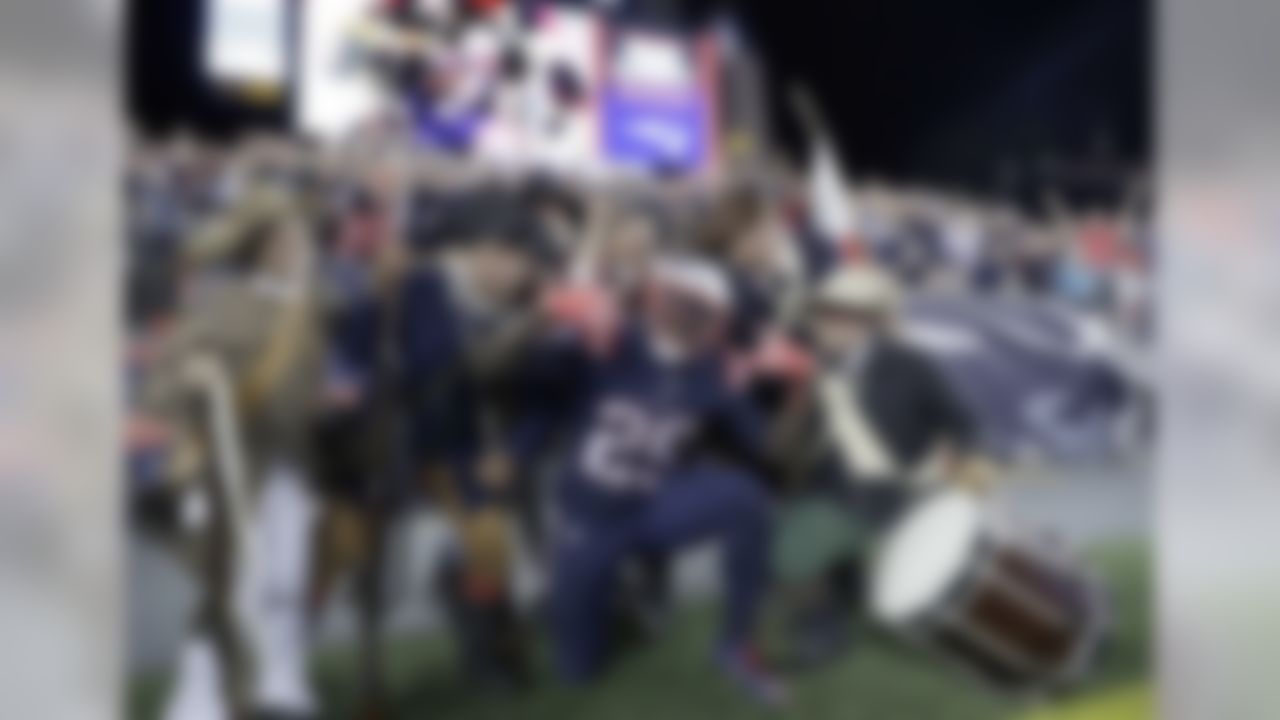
(493, 215)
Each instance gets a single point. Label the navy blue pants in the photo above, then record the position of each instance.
(693, 504)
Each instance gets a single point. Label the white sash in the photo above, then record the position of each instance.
(850, 431)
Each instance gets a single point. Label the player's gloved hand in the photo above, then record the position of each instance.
(778, 356)
(586, 309)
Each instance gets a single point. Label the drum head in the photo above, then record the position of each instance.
(924, 555)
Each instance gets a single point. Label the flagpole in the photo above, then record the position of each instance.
(806, 109)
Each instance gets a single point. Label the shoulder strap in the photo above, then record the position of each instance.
(851, 432)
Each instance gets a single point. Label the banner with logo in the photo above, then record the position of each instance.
(658, 101)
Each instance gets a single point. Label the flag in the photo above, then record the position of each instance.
(831, 208)
(829, 204)
(1031, 374)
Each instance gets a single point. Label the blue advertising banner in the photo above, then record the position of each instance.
(642, 130)
(657, 104)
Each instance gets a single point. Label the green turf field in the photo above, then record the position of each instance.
(671, 678)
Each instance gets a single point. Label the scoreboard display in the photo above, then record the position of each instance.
(594, 98)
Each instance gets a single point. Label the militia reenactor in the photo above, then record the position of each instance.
(234, 383)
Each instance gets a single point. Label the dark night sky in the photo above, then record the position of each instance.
(955, 91)
(960, 93)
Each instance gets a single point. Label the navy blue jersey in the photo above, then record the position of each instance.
(445, 405)
(355, 321)
(632, 418)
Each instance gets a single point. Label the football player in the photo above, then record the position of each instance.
(643, 407)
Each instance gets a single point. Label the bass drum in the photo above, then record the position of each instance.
(1018, 617)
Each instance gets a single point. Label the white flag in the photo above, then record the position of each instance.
(830, 205)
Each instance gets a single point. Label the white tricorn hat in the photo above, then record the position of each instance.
(695, 276)
(859, 288)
